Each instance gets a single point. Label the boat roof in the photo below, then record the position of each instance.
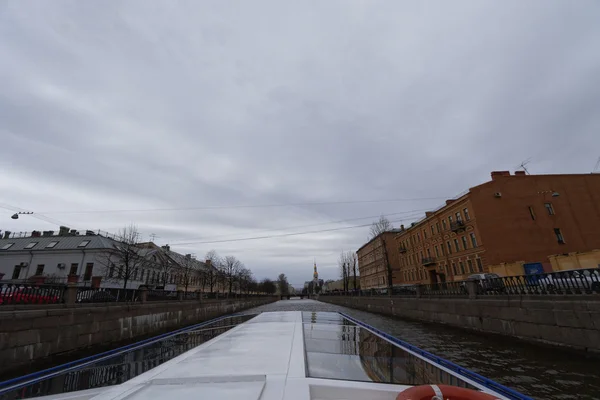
(280, 356)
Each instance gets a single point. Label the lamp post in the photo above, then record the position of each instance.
(16, 215)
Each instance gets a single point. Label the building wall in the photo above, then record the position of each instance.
(372, 262)
(562, 262)
(511, 234)
(501, 231)
(456, 254)
(570, 321)
(31, 335)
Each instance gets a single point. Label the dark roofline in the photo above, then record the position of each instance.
(396, 230)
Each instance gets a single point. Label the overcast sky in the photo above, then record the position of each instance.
(129, 105)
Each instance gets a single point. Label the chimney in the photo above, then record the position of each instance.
(188, 256)
(73, 232)
(90, 233)
(520, 173)
(402, 227)
(448, 202)
(166, 247)
(428, 214)
(47, 233)
(7, 234)
(36, 234)
(63, 231)
(497, 174)
(208, 263)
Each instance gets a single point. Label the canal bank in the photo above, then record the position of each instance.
(542, 372)
(569, 321)
(33, 337)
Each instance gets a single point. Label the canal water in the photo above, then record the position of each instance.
(538, 371)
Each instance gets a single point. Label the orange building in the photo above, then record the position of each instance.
(378, 261)
(508, 219)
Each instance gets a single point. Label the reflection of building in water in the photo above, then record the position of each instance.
(350, 341)
(384, 362)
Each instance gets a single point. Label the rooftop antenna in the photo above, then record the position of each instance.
(597, 167)
(153, 236)
(523, 166)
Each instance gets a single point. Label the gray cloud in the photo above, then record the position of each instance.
(137, 105)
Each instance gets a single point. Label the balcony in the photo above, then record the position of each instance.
(457, 226)
(402, 250)
(428, 261)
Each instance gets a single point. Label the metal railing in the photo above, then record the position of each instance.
(574, 282)
(26, 293)
(428, 260)
(106, 295)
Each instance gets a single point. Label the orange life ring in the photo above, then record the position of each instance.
(443, 392)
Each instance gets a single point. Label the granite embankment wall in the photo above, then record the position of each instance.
(571, 321)
(31, 334)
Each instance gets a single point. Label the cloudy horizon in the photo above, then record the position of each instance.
(189, 110)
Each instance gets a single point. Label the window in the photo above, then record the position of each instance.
(479, 264)
(111, 270)
(89, 268)
(531, 213)
(454, 269)
(559, 236)
(449, 247)
(464, 242)
(40, 269)
(16, 272)
(432, 231)
(466, 212)
(7, 246)
(444, 224)
(437, 227)
(549, 208)
(51, 245)
(437, 251)
(473, 240)
(456, 246)
(418, 237)
(73, 270)
(470, 265)
(450, 219)
(142, 276)
(458, 216)
(424, 233)
(428, 252)
(84, 243)
(31, 245)
(443, 251)
(462, 267)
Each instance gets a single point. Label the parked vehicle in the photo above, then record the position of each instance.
(95, 296)
(27, 295)
(587, 280)
(485, 283)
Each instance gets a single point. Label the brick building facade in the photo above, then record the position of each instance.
(510, 218)
(374, 259)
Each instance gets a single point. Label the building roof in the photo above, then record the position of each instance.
(396, 230)
(62, 243)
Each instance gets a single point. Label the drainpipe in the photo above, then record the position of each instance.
(80, 269)
(30, 263)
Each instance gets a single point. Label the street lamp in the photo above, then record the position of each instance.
(16, 215)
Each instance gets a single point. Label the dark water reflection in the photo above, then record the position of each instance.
(537, 371)
(125, 366)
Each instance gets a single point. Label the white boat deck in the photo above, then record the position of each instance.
(260, 359)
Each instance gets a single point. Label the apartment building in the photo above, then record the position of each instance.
(512, 218)
(378, 261)
(90, 258)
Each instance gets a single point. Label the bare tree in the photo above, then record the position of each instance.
(213, 265)
(354, 267)
(189, 271)
(267, 286)
(380, 226)
(346, 263)
(283, 284)
(125, 260)
(230, 268)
